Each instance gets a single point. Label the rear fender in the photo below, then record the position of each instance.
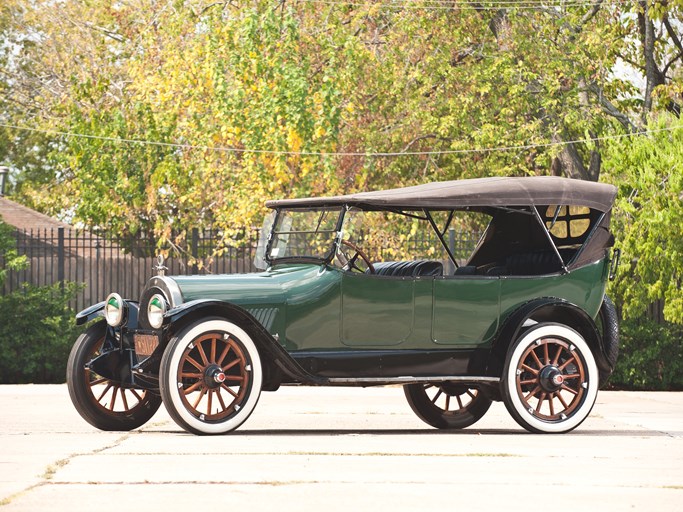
(548, 309)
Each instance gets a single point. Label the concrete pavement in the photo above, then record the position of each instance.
(340, 449)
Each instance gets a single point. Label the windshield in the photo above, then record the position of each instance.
(302, 234)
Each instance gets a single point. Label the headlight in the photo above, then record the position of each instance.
(114, 309)
(156, 309)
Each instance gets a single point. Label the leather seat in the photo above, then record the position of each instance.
(417, 268)
(535, 263)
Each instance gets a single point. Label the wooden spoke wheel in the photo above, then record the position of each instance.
(550, 379)
(447, 405)
(105, 403)
(211, 377)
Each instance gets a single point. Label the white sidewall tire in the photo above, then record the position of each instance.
(169, 378)
(514, 402)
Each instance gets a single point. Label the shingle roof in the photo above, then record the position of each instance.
(22, 217)
(44, 228)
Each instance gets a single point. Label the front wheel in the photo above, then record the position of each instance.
(550, 379)
(447, 405)
(210, 377)
(105, 403)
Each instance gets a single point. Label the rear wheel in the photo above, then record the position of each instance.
(211, 377)
(550, 379)
(447, 405)
(104, 403)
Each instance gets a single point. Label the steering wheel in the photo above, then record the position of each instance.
(349, 262)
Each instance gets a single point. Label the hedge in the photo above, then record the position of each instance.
(37, 330)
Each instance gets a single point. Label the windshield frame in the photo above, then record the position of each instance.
(325, 257)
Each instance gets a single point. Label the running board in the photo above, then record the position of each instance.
(378, 381)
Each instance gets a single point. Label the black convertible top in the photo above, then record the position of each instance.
(479, 192)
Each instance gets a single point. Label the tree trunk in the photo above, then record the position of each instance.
(653, 76)
(568, 162)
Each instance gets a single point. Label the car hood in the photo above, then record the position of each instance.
(269, 287)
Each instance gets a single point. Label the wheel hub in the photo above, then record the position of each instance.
(453, 389)
(551, 378)
(213, 376)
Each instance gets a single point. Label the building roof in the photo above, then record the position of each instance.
(44, 229)
(24, 218)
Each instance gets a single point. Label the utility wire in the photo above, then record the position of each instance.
(368, 154)
(469, 5)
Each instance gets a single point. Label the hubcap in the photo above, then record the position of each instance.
(551, 379)
(213, 376)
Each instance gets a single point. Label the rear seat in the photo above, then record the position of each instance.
(408, 268)
(532, 263)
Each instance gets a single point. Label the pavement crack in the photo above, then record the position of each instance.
(53, 468)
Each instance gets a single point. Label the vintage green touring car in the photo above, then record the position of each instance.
(344, 299)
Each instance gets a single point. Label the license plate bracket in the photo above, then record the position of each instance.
(145, 344)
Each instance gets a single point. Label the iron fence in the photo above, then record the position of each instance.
(102, 264)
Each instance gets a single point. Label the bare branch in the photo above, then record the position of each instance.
(672, 34)
(595, 8)
(631, 62)
(612, 110)
(671, 62)
(109, 33)
(424, 137)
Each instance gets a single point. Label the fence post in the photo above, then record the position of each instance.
(195, 250)
(60, 257)
(98, 246)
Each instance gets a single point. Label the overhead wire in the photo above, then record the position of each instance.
(426, 4)
(367, 154)
(470, 5)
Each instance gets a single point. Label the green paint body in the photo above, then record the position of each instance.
(320, 307)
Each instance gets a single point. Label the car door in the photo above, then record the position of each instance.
(466, 310)
(376, 310)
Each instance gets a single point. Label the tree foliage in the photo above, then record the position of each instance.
(649, 215)
(650, 357)
(239, 81)
(10, 259)
(260, 99)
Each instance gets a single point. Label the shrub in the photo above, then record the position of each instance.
(9, 257)
(37, 330)
(650, 357)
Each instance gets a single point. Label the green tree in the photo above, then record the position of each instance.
(320, 84)
(649, 214)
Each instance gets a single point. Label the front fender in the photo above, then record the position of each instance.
(90, 313)
(97, 311)
(271, 351)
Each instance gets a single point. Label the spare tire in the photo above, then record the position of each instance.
(609, 321)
